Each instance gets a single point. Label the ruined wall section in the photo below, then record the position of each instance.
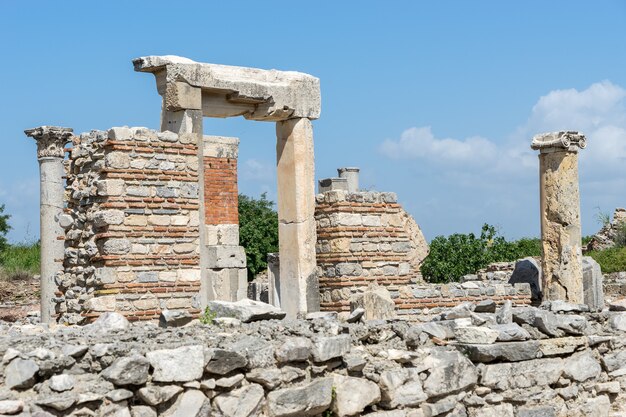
(364, 237)
(132, 225)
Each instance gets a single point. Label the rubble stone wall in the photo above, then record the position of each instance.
(364, 237)
(132, 225)
(521, 362)
(428, 299)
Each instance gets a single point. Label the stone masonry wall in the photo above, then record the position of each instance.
(510, 362)
(132, 225)
(220, 190)
(364, 237)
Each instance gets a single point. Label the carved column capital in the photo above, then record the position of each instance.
(559, 141)
(51, 140)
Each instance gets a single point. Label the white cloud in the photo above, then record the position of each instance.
(419, 142)
(479, 171)
(255, 170)
(599, 112)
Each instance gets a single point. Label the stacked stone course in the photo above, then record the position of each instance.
(362, 238)
(132, 225)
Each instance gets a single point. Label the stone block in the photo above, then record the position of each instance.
(222, 234)
(220, 147)
(117, 160)
(182, 96)
(528, 270)
(101, 303)
(225, 256)
(110, 187)
(105, 275)
(189, 275)
(593, 292)
(332, 184)
(116, 246)
(292, 94)
(168, 276)
(138, 191)
(136, 220)
(120, 133)
(348, 219)
(377, 303)
(228, 284)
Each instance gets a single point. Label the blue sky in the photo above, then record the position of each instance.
(435, 100)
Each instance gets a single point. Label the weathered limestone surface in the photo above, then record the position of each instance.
(314, 367)
(560, 215)
(51, 141)
(296, 223)
(225, 91)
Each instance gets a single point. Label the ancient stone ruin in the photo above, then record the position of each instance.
(148, 229)
(560, 215)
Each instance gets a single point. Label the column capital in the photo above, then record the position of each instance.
(51, 140)
(559, 141)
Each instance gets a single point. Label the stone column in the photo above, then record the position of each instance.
(296, 222)
(351, 174)
(561, 259)
(51, 141)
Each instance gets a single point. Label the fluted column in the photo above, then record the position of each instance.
(561, 258)
(51, 141)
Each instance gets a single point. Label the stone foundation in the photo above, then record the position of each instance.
(521, 362)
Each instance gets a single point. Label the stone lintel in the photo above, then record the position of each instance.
(51, 140)
(256, 94)
(560, 141)
(221, 147)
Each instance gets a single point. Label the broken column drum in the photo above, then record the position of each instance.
(51, 141)
(191, 90)
(560, 215)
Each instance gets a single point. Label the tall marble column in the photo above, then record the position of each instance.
(51, 141)
(561, 259)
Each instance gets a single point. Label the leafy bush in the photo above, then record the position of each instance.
(610, 260)
(258, 231)
(459, 254)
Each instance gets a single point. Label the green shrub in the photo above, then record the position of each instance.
(258, 231)
(610, 260)
(459, 254)
(20, 261)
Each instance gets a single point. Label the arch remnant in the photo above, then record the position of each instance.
(192, 90)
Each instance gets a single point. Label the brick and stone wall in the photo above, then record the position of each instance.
(226, 260)
(132, 225)
(364, 237)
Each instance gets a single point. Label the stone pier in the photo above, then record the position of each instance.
(560, 215)
(295, 167)
(51, 142)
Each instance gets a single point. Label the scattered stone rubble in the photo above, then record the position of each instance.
(471, 360)
(605, 238)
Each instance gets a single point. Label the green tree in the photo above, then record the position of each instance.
(459, 254)
(4, 228)
(258, 231)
